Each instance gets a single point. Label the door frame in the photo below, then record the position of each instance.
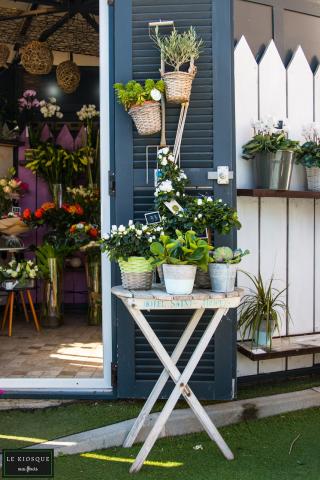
(45, 386)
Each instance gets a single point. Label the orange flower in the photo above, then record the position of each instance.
(79, 209)
(26, 214)
(93, 232)
(39, 213)
(47, 206)
(73, 228)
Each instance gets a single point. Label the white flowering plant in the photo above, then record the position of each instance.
(309, 153)
(50, 109)
(134, 93)
(132, 240)
(171, 179)
(20, 271)
(269, 135)
(88, 112)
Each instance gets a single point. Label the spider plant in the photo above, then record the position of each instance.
(259, 311)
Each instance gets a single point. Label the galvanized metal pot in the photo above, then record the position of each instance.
(262, 337)
(223, 277)
(273, 170)
(179, 279)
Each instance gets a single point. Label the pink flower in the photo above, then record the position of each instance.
(2, 392)
(29, 93)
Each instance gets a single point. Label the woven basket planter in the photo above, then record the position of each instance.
(313, 177)
(147, 118)
(178, 86)
(68, 76)
(136, 273)
(4, 55)
(37, 58)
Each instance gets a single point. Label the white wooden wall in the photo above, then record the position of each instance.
(283, 235)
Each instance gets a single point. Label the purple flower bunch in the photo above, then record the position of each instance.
(28, 101)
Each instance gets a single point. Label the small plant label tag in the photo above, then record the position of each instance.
(174, 207)
(152, 218)
(16, 210)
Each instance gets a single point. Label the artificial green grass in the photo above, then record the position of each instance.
(21, 428)
(261, 448)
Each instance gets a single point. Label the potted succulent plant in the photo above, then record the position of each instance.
(180, 258)
(308, 155)
(142, 102)
(272, 153)
(130, 247)
(223, 268)
(178, 49)
(259, 312)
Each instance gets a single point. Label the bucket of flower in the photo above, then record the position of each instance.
(18, 274)
(223, 268)
(142, 102)
(180, 257)
(130, 248)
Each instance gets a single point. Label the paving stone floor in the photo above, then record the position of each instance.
(73, 350)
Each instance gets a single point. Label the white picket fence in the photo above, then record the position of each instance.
(282, 234)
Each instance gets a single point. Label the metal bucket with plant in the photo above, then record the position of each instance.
(223, 268)
(260, 311)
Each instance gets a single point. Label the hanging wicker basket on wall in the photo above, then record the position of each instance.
(37, 58)
(147, 118)
(178, 86)
(68, 76)
(4, 55)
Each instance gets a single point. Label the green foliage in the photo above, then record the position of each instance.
(178, 48)
(309, 154)
(134, 93)
(131, 241)
(261, 306)
(55, 164)
(226, 255)
(185, 249)
(47, 251)
(266, 142)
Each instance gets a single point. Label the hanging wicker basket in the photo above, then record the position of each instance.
(147, 118)
(4, 55)
(313, 177)
(136, 273)
(37, 58)
(178, 86)
(68, 76)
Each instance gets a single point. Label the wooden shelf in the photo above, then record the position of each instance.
(9, 143)
(260, 192)
(290, 346)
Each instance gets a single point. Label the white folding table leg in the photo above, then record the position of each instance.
(157, 389)
(180, 388)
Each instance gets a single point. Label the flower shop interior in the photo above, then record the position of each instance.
(50, 179)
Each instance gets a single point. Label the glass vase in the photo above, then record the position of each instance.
(93, 275)
(51, 314)
(57, 194)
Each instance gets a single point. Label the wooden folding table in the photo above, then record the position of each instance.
(137, 301)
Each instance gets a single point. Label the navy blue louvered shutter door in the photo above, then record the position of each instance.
(136, 57)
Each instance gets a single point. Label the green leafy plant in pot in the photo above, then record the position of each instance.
(178, 49)
(272, 153)
(180, 258)
(130, 247)
(308, 155)
(260, 311)
(223, 268)
(142, 104)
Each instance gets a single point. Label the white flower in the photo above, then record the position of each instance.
(165, 186)
(155, 94)
(139, 232)
(171, 157)
(199, 202)
(14, 274)
(163, 151)
(80, 226)
(209, 199)
(164, 162)
(130, 223)
(199, 215)
(178, 194)
(198, 447)
(150, 240)
(114, 228)
(121, 229)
